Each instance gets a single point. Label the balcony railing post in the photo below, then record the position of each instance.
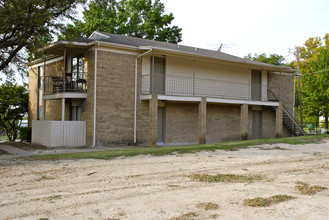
(64, 72)
(193, 86)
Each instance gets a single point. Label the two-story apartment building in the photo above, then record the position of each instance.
(111, 89)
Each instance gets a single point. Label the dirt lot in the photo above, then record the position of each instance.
(147, 187)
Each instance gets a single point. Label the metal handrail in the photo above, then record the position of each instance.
(56, 83)
(294, 120)
(190, 86)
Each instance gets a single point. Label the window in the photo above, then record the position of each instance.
(77, 72)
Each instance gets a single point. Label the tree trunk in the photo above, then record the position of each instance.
(326, 120)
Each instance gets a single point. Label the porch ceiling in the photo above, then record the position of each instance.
(71, 48)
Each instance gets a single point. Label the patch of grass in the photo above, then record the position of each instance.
(159, 151)
(44, 177)
(3, 138)
(172, 186)
(263, 202)
(226, 178)
(52, 199)
(306, 189)
(207, 206)
(272, 148)
(186, 216)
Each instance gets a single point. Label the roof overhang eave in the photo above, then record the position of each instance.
(253, 65)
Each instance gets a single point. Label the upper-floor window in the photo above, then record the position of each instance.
(77, 68)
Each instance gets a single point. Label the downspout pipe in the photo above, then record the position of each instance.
(95, 96)
(136, 92)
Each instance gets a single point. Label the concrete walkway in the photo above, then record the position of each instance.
(14, 150)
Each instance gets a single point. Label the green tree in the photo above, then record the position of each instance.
(13, 106)
(314, 65)
(136, 18)
(29, 24)
(274, 59)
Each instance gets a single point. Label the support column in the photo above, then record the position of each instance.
(203, 121)
(244, 122)
(63, 109)
(279, 121)
(153, 120)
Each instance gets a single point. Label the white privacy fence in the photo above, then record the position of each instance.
(59, 133)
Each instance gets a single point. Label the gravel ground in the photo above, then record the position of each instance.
(148, 187)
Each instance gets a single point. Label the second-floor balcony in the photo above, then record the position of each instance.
(170, 85)
(190, 86)
(70, 83)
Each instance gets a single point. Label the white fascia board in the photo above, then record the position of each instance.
(209, 100)
(145, 97)
(41, 62)
(63, 42)
(65, 95)
(121, 46)
(283, 73)
(179, 98)
(249, 102)
(172, 98)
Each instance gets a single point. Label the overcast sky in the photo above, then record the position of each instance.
(249, 26)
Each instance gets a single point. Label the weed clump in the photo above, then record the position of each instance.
(226, 178)
(207, 206)
(263, 202)
(186, 216)
(306, 189)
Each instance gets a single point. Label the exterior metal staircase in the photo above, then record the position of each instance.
(290, 122)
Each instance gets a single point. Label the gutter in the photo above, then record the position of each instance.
(95, 96)
(135, 107)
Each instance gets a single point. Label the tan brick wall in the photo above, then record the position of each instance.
(115, 98)
(223, 123)
(287, 87)
(33, 95)
(268, 126)
(88, 104)
(53, 108)
(181, 122)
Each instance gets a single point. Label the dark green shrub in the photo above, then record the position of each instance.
(25, 133)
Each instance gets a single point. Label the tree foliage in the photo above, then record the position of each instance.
(29, 24)
(13, 106)
(274, 59)
(314, 66)
(136, 18)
